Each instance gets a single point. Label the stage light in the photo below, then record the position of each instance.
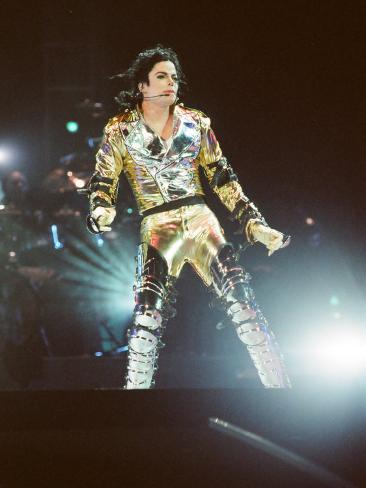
(338, 351)
(57, 244)
(309, 221)
(72, 126)
(334, 301)
(5, 155)
(99, 240)
(100, 274)
(79, 183)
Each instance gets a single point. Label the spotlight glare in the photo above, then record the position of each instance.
(5, 155)
(340, 350)
(334, 300)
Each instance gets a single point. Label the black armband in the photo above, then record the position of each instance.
(97, 183)
(224, 173)
(244, 211)
(100, 183)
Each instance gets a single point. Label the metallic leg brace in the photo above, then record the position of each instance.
(232, 285)
(154, 295)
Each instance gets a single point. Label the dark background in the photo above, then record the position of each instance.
(283, 84)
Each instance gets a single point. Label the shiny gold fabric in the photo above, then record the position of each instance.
(190, 234)
(158, 174)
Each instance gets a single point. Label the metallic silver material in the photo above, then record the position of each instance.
(232, 284)
(151, 319)
(162, 171)
(240, 311)
(142, 356)
(151, 299)
(264, 351)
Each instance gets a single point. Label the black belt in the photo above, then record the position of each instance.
(181, 202)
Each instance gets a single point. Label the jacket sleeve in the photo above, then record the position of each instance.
(103, 185)
(224, 181)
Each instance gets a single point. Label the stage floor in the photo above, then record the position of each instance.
(162, 437)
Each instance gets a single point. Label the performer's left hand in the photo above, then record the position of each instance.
(271, 238)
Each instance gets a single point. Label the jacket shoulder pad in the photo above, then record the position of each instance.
(196, 114)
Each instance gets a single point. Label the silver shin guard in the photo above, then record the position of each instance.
(264, 351)
(232, 286)
(154, 295)
(142, 357)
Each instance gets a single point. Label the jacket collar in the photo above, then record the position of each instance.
(140, 138)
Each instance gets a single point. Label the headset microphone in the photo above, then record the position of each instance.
(156, 96)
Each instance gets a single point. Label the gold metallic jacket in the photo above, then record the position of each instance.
(159, 172)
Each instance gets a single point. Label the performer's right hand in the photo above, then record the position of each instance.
(103, 217)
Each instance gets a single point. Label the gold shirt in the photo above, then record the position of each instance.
(158, 173)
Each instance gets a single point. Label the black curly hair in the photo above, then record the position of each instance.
(139, 71)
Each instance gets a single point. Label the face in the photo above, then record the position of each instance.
(16, 186)
(163, 84)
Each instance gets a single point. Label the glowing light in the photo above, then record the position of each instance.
(99, 240)
(338, 350)
(56, 242)
(309, 221)
(101, 273)
(2, 207)
(72, 126)
(130, 211)
(79, 183)
(5, 155)
(334, 301)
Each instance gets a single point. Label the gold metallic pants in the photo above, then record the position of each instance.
(190, 234)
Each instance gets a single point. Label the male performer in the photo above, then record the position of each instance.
(161, 145)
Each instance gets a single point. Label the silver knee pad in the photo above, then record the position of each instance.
(240, 312)
(149, 318)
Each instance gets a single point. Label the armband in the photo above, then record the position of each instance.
(224, 173)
